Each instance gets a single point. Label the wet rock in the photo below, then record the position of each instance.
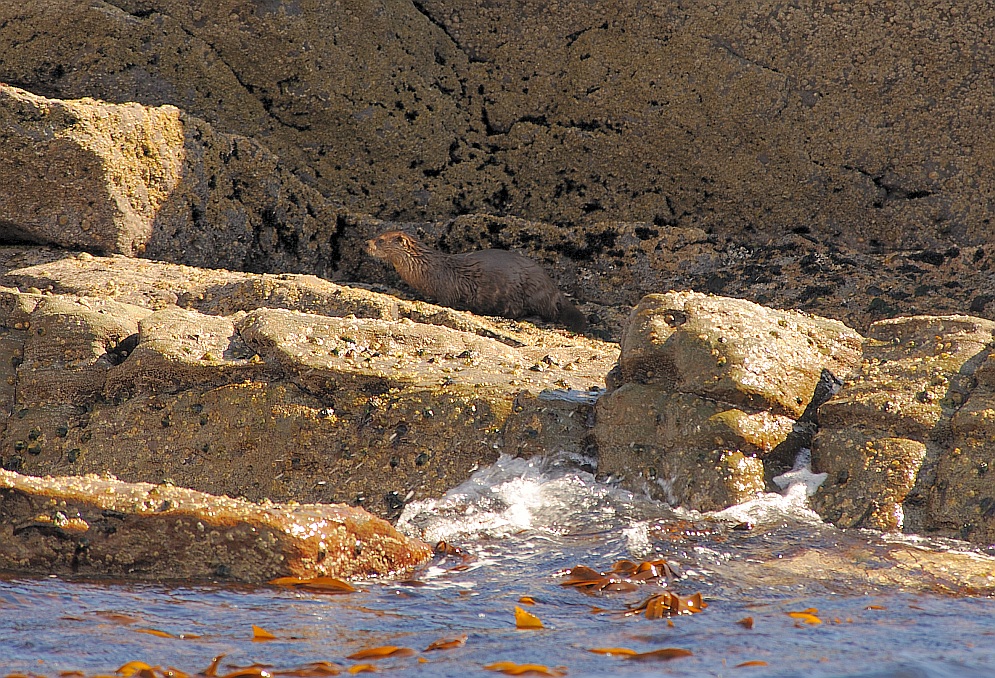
(554, 422)
(900, 441)
(685, 449)
(708, 388)
(100, 526)
(269, 401)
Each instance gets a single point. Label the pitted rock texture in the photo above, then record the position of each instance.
(861, 124)
(708, 393)
(265, 387)
(904, 442)
(100, 526)
(97, 176)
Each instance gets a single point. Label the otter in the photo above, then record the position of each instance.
(486, 282)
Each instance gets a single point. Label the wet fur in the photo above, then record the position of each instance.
(487, 282)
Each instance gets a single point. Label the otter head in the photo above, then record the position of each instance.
(394, 245)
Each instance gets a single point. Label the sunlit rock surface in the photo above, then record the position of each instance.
(268, 387)
(708, 388)
(100, 526)
(905, 441)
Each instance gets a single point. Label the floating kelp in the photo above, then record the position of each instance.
(662, 654)
(513, 669)
(806, 616)
(625, 575)
(261, 634)
(526, 620)
(447, 643)
(322, 584)
(382, 652)
(668, 604)
(166, 634)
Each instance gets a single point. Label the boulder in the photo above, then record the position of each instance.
(901, 441)
(154, 181)
(100, 526)
(708, 392)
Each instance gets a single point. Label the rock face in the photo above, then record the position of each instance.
(263, 387)
(859, 124)
(100, 526)
(905, 441)
(160, 182)
(708, 391)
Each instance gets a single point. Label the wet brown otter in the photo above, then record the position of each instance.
(488, 282)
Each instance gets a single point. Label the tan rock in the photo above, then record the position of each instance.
(272, 402)
(903, 441)
(153, 181)
(783, 117)
(99, 526)
(178, 349)
(733, 350)
(86, 174)
(684, 449)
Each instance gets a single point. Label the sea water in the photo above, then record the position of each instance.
(518, 525)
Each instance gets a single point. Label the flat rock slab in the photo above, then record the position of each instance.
(280, 387)
(100, 526)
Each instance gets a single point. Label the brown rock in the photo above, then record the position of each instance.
(85, 174)
(132, 179)
(900, 442)
(781, 118)
(95, 526)
(734, 351)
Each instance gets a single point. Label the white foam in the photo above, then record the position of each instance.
(797, 485)
(511, 496)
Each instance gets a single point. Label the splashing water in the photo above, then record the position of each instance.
(860, 608)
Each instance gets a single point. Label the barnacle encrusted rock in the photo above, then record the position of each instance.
(100, 526)
(708, 389)
(904, 442)
(289, 395)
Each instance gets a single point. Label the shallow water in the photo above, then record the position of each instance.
(520, 523)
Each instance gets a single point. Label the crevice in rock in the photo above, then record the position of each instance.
(725, 46)
(265, 101)
(420, 8)
(890, 190)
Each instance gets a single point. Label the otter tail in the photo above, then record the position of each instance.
(570, 316)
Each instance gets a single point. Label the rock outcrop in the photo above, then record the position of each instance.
(904, 443)
(631, 149)
(858, 124)
(159, 182)
(708, 390)
(99, 526)
(263, 387)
